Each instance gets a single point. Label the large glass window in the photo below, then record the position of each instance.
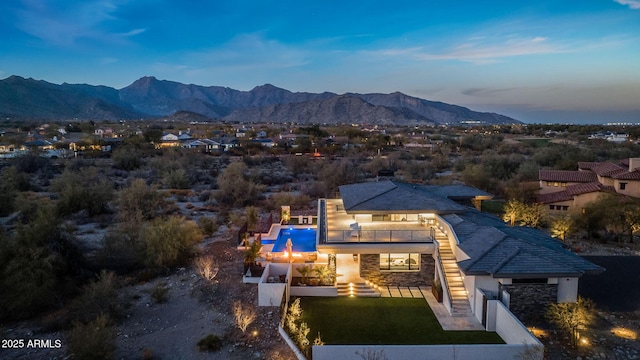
(400, 262)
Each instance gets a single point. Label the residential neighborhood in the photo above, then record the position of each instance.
(248, 231)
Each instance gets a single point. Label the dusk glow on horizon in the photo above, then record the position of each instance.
(544, 61)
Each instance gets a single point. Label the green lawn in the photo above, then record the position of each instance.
(389, 321)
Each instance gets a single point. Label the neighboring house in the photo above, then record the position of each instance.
(226, 143)
(398, 234)
(558, 180)
(103, 132)
(264, 142)
(168, 140)
(566, 190)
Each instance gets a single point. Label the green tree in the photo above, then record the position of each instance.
(168, 242)
(532, 215)
(251, 212)
(513, 210)
(572, 317)
(561, 227)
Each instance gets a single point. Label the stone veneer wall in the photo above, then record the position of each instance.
(370, 270)
(529, 301)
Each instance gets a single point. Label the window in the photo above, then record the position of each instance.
(565, 208)
(623, 186)
(552, 207)
(548, 183)
(564, 184)
(529, 281)
(400, 262)
(555, 184)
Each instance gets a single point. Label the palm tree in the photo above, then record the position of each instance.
(323, 273)
(304, 271)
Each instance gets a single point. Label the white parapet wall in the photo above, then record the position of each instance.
(520, 344)
(270, 288)
(423, 352)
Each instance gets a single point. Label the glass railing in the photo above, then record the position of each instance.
(379, 236)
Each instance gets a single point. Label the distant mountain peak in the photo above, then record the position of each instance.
(150, 97)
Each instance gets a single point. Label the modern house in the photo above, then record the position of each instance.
(387, 236)
(563, 190)
(398, 234)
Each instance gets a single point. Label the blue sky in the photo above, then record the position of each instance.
(538, 61)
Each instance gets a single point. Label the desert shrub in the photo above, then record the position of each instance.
(168, 242)
(97, 298)
(139, 201)
(208, 225)
(30, 271)
(31, 163)
(94, 340)
(160, 294)
(234, 186)
(126, 158)
(210, 343)
(83, 190)
(176, 179)
(121, 251)
(207, 267)
(286, 198)
(244, 315)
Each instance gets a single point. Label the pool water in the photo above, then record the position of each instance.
(304, 240)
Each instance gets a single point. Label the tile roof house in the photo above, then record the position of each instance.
(392, 233)
(572, 190)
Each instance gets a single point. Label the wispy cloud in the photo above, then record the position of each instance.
(65, 25)
(253, 51)
(485, 92)
(632, 4)
(483, 50)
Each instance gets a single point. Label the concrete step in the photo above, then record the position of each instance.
(356, 289)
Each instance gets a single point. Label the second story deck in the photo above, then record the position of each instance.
(338, 229)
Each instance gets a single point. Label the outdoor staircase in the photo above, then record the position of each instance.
(359, 289)
(459, 299)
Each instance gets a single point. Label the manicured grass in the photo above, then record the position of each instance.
(389, 321)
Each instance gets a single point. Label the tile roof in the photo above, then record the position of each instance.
(570, 191)
(607, 169)
(567, 176)
(499, 250)
(392, 196)
(629, 175)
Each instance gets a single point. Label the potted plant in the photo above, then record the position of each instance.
(436, 289)
(250, 256)
(304, 271)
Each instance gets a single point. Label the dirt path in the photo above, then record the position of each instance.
(193, 309)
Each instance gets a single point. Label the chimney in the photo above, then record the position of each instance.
(634, 163)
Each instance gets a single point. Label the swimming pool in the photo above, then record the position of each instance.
(304, 240)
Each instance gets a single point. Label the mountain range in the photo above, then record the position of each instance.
(149, 97)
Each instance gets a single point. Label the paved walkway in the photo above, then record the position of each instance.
(445, 319)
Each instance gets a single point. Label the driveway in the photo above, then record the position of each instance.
(618, 288)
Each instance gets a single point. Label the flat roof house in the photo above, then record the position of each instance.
(391, 233)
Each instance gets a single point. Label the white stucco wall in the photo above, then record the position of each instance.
(567, 290)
